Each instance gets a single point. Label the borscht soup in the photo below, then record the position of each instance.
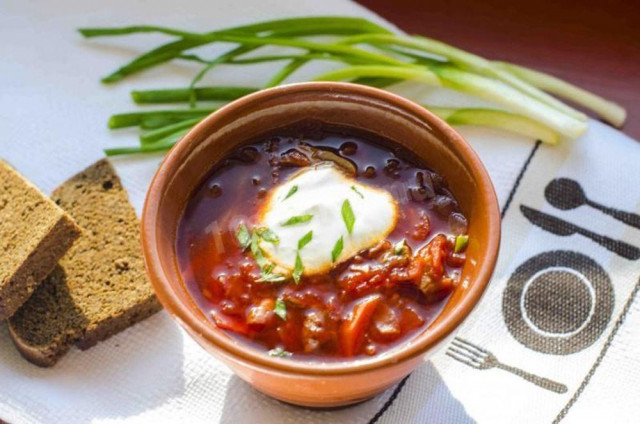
(321, 243)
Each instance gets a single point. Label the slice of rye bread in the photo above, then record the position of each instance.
(100, 286)
(34, 234)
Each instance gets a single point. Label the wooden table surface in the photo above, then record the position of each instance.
(594, 44)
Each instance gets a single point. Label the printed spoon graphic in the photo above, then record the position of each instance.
(565, 193)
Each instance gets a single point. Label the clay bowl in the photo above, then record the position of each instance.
(313, 383)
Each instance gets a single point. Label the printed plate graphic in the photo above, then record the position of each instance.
(558, 302)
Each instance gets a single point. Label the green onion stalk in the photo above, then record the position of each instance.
(371, 55)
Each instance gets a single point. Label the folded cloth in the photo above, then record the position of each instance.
(559, 312)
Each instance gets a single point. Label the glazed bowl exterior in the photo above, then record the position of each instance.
(316, 383)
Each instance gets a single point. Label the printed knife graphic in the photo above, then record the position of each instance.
(561, 227)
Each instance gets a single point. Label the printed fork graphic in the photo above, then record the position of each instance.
(481, 359)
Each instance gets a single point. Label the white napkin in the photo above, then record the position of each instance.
(53, 113)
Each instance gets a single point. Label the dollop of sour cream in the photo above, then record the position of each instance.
(322, 217)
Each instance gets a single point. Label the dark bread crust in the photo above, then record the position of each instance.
(44, 356)
(100, 286)
(116, 324)
(32, 220)
(48, 324)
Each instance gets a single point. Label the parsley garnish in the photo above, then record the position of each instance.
(305, 240)
(280, 352)
(347, 216)
(298, 219)
(297, 269)
(280, 309)
(337, 249)
(243, 236)
(291, 192)
(357, 191)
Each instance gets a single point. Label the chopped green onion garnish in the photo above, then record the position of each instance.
(267, 235)
(280, 352)
(297, 269)
(291, 192)
(305, 240)
(347, 216)
(252, 240)
(268, 268)
(337, 249)
(461, 243)
(400, 247)
(268, 277)
(357, 191)
(243, 236)
(257, 253)
(280, 309)
(298, 219)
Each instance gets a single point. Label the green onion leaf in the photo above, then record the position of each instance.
(305, 240)
(325, 25)
(461, 243)
(337, 249)
(347, 216)
(411, 73)
(168, 130)
(297, 269)
(243, 236)
(132, 119)
(268, 235)
(357, 191)
(298, 219)
(176, 95)
(291, 192)
(280, 309)
(280, 352)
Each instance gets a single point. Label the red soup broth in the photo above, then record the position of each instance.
(363, 306)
